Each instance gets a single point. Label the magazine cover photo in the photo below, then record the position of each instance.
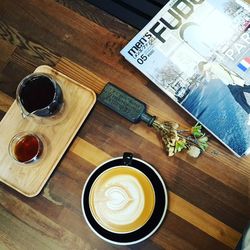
(203, 63)
(220, 95)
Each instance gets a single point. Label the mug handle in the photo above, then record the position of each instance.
(127, 158)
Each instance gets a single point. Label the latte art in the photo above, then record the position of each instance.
(122, 199)
(117, 198)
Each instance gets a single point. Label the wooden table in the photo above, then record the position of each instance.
(209, 203)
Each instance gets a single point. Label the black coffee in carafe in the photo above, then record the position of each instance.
(37, 93)
(40, 95)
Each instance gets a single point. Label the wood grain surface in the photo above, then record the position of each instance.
(209, 197)
(78, 101)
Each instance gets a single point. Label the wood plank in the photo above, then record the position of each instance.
(7, 50)
(84, 149)
(23, 59)
(203, 221)
(84, 76)
(182, 178)
(100, 17)
(77, 170)
(33, 49)
(215, 160)
(74, 171)
(137, 141)
(66, 40)
(159, 101)
(209, 196)
(184, 212)
(78, 101)
(9, 80)
(79, 227)
(177, 233)
(174, 232)
(179, 206)
(45, 233)
(110, 66)
(5, 102)
(59, 205)
(81, 75)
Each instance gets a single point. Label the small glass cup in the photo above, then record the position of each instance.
(26, 147)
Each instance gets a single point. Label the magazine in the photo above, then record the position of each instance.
(198, 53)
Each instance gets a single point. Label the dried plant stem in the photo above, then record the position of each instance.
(175, 140)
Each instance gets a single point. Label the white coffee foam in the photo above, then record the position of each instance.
(119, 200)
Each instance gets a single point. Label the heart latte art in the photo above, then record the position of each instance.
(122, 199)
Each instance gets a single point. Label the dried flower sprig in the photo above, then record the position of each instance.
(176, 139)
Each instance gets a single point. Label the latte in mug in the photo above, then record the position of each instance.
(122, 199)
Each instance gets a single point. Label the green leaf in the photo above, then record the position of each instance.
(196, 130)
(180, 145)
(203, 139)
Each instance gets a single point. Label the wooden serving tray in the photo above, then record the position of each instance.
(58, 132)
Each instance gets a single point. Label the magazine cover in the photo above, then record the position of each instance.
(198, 53)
